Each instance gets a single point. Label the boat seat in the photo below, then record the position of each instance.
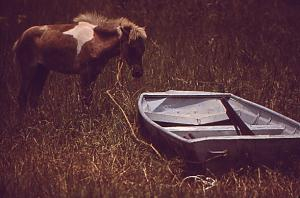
(196, 119)
(225, 130)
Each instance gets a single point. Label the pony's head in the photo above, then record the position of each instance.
(132, 38)
(133, 48)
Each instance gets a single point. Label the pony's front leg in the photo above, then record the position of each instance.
(87, 83)
(87, 93)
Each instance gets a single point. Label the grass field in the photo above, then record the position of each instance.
(249, 48)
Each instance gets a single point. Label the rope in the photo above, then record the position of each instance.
(120, 65)
(119, 69)
(130, 126)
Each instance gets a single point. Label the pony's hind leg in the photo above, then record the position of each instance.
(26, 75)
(37, 83)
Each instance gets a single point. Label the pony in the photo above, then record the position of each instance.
(83, 47)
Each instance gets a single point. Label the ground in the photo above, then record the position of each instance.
(248, 48)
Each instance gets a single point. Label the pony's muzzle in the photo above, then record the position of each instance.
(137, 71)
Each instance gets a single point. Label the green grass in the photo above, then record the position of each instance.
(248, 48)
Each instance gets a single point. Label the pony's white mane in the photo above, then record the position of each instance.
(99, 20)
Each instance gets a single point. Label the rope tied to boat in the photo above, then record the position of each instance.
(131, 127)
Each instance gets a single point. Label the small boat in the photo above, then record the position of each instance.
(204, 126)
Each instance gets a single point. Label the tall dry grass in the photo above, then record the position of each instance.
(248, 48)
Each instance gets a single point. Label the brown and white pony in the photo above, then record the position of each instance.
(83, 47)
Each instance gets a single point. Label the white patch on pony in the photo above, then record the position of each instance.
(83, 32)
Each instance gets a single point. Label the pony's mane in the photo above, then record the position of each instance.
(99, 20)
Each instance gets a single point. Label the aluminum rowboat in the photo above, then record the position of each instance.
(203, 126)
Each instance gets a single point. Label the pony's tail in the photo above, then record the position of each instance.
(18, 47)
(14, 50)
